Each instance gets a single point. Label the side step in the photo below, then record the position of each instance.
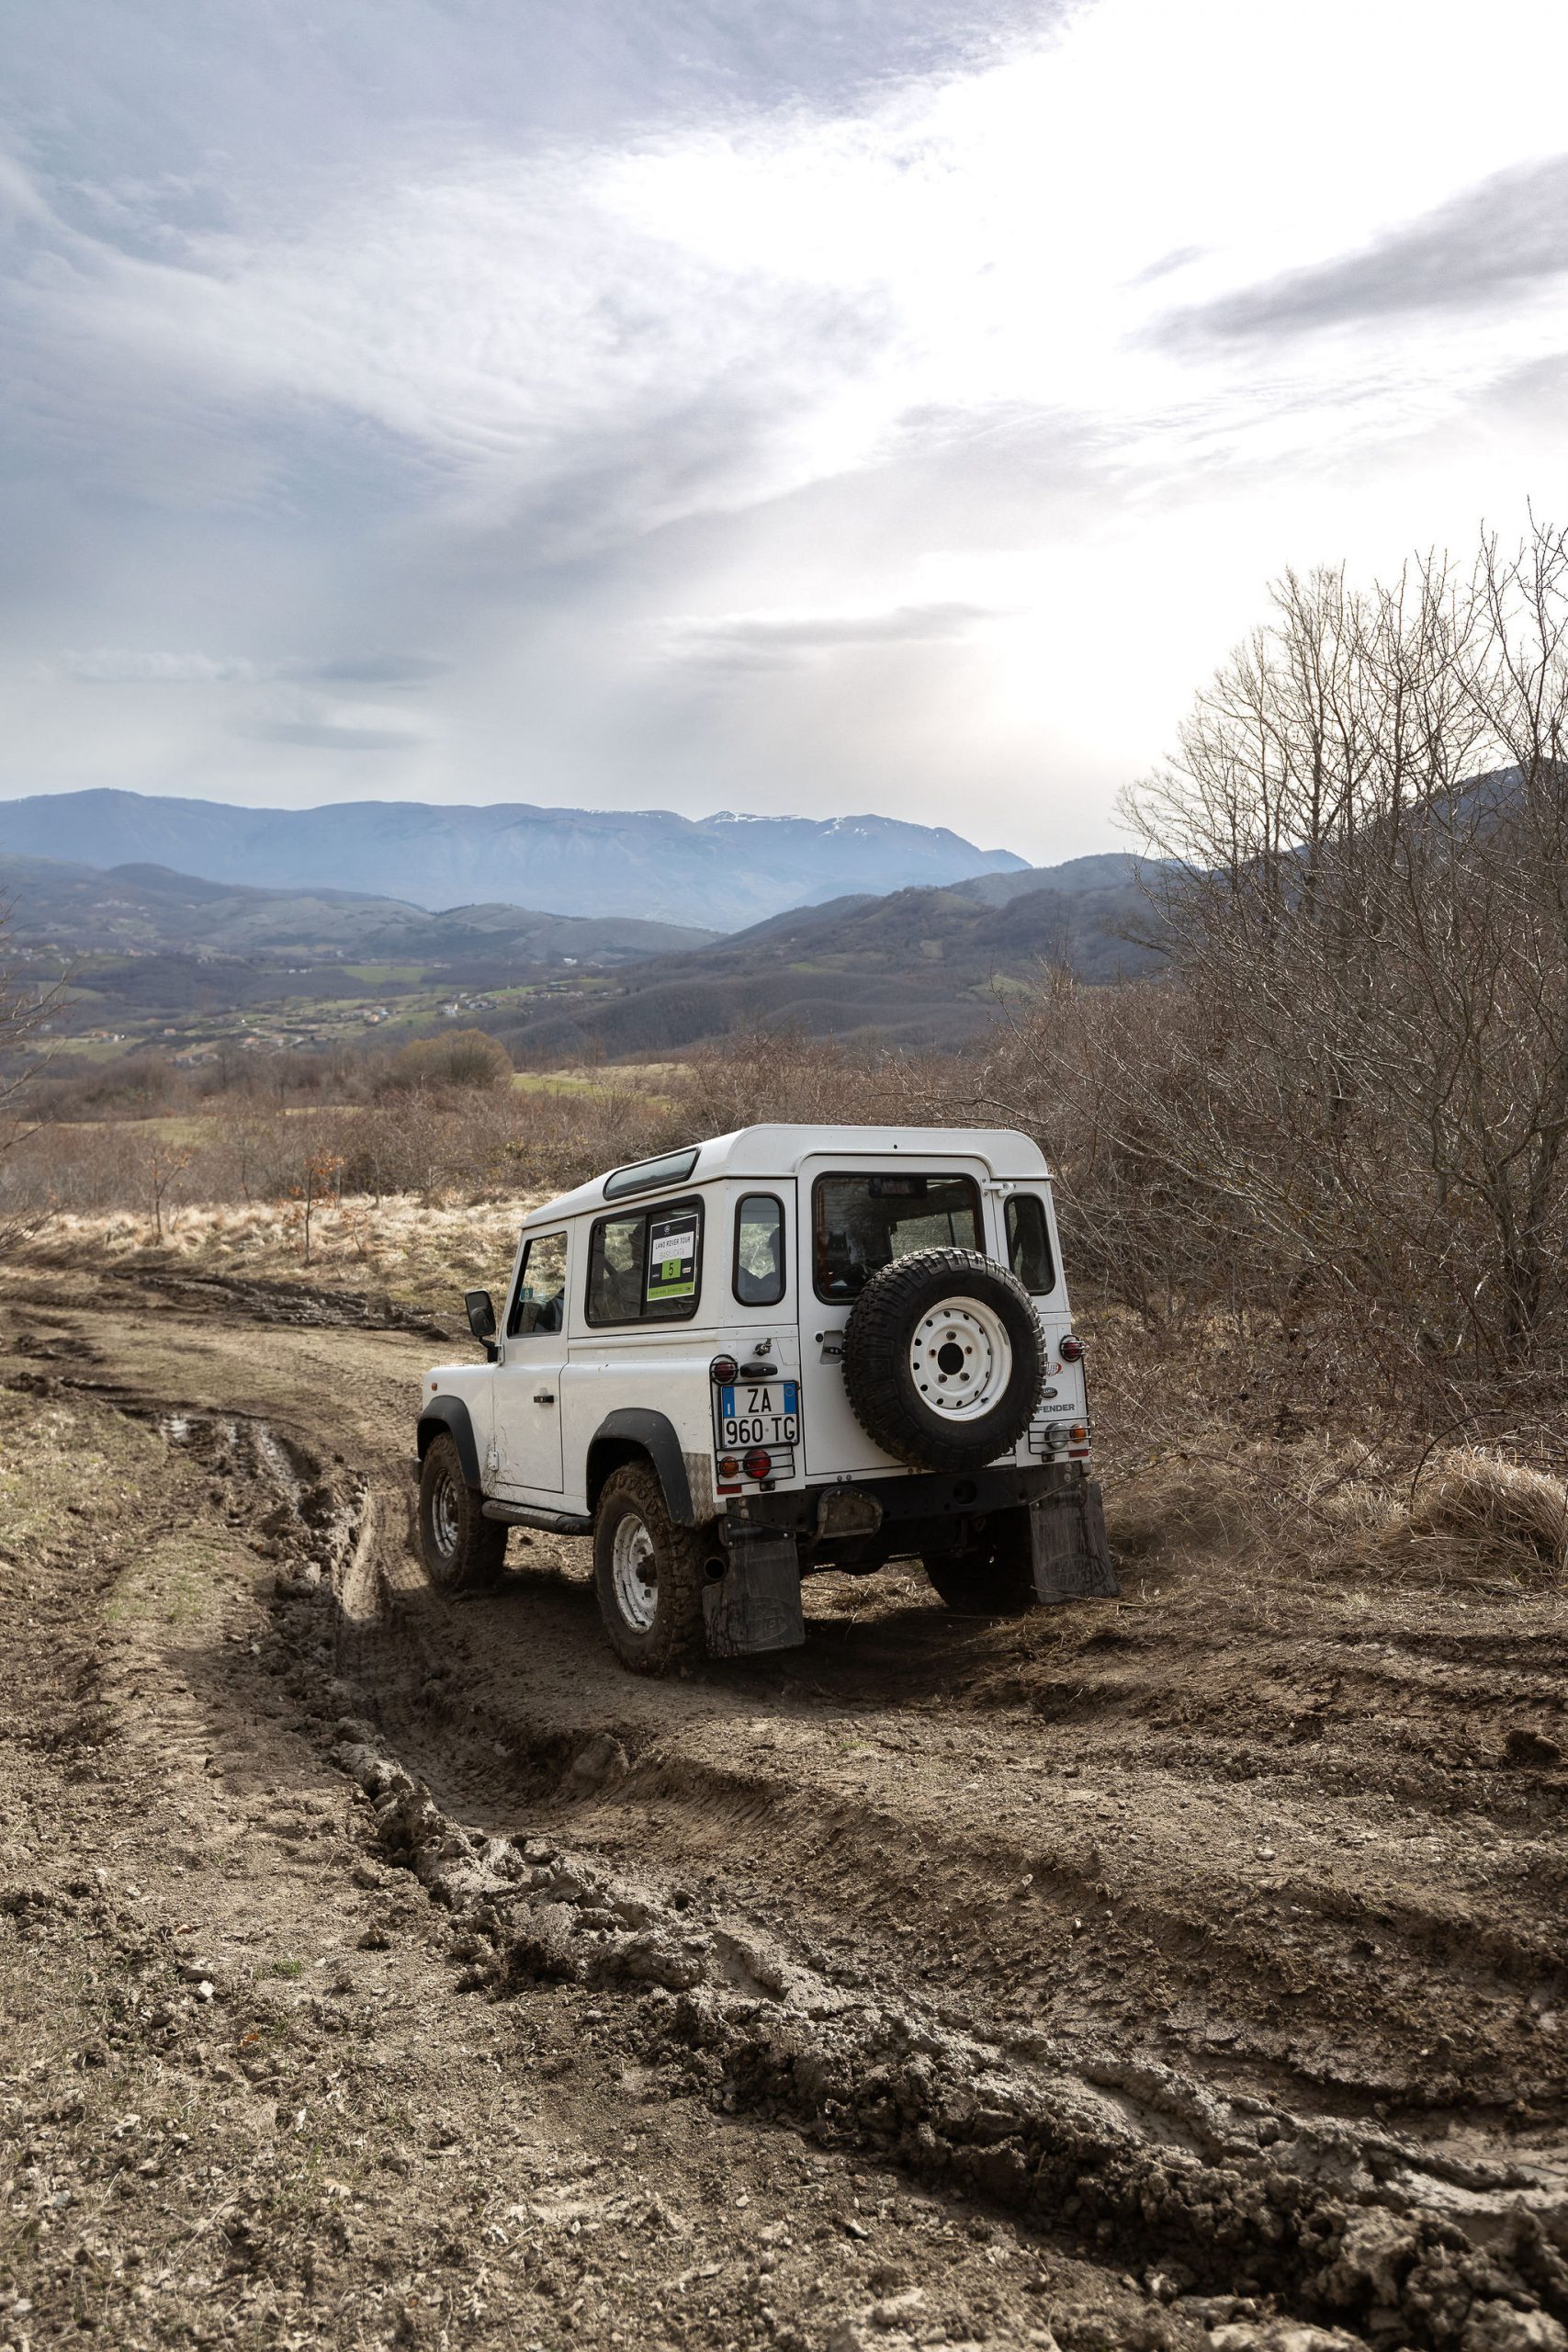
(554, 1523)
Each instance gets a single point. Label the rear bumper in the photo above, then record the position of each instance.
(927, 1496)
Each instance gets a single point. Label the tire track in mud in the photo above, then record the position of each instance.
(301, 1306)
(1140, 2165)
(1058, 1905)
(1144, 2167)
(861, 1856)
(1243, 2182)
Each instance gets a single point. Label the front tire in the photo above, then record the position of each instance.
(463, 1550)
(647, 1573)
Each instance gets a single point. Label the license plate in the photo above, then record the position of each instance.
(766, 1414)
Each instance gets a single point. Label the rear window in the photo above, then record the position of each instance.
(861, 1224)
(644, 1266)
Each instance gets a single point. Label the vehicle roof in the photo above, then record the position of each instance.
(776, 1152)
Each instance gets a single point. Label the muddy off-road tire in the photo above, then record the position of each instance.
(994, 1580)
(649, 1574)
(463, 1550)
(943, 1359)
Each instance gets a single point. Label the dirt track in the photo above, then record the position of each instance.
(1131, 1975)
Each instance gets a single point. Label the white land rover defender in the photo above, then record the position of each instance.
(788, 1349)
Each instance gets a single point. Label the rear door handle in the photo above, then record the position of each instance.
(544, 1395)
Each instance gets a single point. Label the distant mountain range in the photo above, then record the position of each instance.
(716, 873)
(143, 910)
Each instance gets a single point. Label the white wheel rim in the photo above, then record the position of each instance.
(443, 1517)
(635, 1575)
(961, 1358)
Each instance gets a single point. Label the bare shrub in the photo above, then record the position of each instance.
(23, 1009)
(165, 1165)
(756, 1075)
(433, 1141)
(320, 1174)
(464, 1057)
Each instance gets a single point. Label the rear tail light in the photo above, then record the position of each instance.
(722, 1371)
(1078, 1435)
(728, 1468)
(758, 1464)
(1069, 1349)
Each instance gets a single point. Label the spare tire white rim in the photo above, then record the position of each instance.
(635, 1572)
(961, 1358)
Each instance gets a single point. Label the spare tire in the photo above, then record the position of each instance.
(944, 1360)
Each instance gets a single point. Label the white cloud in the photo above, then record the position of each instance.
(798, 286)
(750, 639)
(109, 666)
(117, 666)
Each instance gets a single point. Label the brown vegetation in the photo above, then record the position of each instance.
(23, 1008)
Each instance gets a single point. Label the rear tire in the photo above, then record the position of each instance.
(463, 1550)
(994, 1580)
(649, 1574)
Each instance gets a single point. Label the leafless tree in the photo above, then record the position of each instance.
(319, 1180)
(1363, 879)
(166, 1162)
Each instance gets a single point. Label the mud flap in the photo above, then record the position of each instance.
(1072, 1559)
(755, 1605)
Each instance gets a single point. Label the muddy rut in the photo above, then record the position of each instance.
(1215, 1937)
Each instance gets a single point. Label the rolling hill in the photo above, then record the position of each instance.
(715, 872)
(919, 968)
(145, 909)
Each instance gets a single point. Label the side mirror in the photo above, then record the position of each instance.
(481, 1313)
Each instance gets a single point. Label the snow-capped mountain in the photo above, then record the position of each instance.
(721, 872)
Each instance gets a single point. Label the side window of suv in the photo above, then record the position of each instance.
(1029, 1244)
(644, 1266)
(759, 1250)
(540, 1302)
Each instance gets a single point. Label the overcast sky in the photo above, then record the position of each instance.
(816, 405)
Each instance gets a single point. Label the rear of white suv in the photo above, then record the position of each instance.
(786, 1350)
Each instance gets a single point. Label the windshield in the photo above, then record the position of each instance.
(861, 1224)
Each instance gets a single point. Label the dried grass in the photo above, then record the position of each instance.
(1487, 1517)
(428, 1254)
